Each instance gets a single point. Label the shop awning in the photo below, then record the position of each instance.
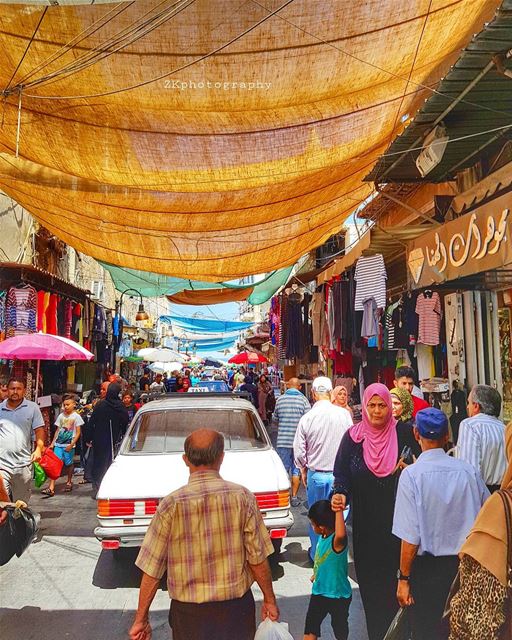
(472, 102)
(211, 139)
(390, 242)
(12, 273)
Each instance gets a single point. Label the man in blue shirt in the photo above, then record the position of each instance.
(290, 407)
(436, 505)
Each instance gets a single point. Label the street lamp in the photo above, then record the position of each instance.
(139, 317)
(141, 313)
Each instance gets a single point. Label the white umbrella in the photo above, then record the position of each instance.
(163, 367)
(160, 355)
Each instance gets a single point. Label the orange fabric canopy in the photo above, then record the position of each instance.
(210, 296)
(211, 139)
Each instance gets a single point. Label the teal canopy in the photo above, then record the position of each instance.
(152, 285)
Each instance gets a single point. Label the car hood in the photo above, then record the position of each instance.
(155, 476)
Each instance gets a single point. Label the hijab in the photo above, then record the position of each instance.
(334, 396)
(487, 540)
(407, 405)
(380, 445)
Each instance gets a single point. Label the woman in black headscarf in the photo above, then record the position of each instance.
(108, 423)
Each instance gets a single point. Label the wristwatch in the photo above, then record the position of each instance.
(401, 576)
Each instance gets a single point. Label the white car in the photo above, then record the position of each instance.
(149, 464)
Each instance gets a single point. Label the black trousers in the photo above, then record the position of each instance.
(320, 607)
(431, 579)
(225, 620)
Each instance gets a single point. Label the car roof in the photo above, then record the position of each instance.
(198, 401)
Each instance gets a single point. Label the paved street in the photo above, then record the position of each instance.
(66, 586)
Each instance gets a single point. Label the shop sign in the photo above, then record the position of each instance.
(476, 242)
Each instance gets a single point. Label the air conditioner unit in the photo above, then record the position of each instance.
(433, 150)
(97, 290)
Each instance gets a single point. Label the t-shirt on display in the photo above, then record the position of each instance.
(370, 276)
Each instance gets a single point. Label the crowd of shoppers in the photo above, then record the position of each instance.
(419, 517)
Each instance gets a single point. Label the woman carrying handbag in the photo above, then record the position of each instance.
(481, 605)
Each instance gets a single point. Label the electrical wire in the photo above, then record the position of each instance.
(379, 68)
(122, 39)
(26, 49)
(410, 72)
(169, 73)
(80, 37)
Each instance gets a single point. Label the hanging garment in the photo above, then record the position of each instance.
(317, 309)
(61, 316)
(3, 300)
(331, 319)
(109, 324)
(68, 318)
(425, 356)
(76, 327)
(370, 276)
(428, 308)
(389, 327)
(370, 326)
(41, 311)
(411, 318)
(51, 315)
(399, 320)
(294, 345)
(21, 311)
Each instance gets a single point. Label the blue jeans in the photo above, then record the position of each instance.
(319, 488)
(286, 455)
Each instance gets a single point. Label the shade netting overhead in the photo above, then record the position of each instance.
(206, 325)
(182, 291)
(211, 139)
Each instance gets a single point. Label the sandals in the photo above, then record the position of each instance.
(68, 488)
(84, 482)
(48, 493)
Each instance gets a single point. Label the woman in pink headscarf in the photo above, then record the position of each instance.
(365, 475)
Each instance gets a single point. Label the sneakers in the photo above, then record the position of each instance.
(295, 502)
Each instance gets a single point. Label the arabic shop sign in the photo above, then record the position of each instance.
(476, 242)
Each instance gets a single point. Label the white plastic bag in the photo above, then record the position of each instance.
(270, 630)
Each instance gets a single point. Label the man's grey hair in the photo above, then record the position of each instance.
(487, 398)
(200, 457)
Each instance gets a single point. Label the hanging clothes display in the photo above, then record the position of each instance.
(370, 276)
(370, 325)
(21, 311)
(3, 300)
(428, 309)
(317, 311)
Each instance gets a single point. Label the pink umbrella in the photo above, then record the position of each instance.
(42, 346)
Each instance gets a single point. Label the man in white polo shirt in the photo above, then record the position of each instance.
(20, 419)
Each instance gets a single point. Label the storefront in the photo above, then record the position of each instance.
(468, 261)
(34, 300)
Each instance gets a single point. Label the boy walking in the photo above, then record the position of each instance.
(331, 592)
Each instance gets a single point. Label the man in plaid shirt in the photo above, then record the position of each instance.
(210, 537)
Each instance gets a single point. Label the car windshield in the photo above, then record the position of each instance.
(165, 431)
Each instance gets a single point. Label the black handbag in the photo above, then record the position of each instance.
(17, 533)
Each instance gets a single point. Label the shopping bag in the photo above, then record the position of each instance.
(271, 630)
(400, 628)
(17, 533)
(39, 475)
(51, 464)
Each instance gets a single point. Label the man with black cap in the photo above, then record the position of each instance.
(437, 502)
